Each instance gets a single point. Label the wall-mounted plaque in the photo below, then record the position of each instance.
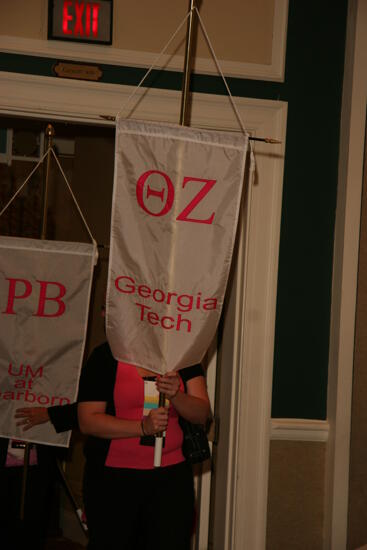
(81, 72)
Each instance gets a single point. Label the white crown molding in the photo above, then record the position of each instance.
(82, 101)
(93, 53)
(286, 429)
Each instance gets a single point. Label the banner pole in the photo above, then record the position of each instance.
(184, 121)
(78, 511)
(50, 132)
(185, 95)
(158, 444)
(24, 480)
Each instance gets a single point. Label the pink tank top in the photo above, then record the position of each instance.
(129, 403)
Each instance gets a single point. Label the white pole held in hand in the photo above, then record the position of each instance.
(158, 445)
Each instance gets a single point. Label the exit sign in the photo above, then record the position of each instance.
(80, 21)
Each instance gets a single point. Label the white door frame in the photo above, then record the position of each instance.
(344, 292)
(79, 101)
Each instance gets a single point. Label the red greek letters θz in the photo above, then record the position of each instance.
(166, 195)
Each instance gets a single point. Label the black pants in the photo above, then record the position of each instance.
(139, 509)
(40, 505)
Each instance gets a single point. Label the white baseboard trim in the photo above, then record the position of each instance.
(289, 429)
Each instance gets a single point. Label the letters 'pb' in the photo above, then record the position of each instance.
(25, 289)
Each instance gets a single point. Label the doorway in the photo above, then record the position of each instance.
(252, 309)
(86, 154)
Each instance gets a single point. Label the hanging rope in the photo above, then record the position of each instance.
(237, 113)
(211, 48)
(221, 72)
(51, 150)
(154, 64)
(73, 196)
(23, 184)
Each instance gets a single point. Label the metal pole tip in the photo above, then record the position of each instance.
(50, 131)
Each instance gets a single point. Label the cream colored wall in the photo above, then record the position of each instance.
(146, 26)
(296, 495)
(23, 18)
(233, 22)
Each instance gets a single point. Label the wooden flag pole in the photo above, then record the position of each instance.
(158, 444)
(24, 480)
(50, 132)
(185, 95)
(184, 121)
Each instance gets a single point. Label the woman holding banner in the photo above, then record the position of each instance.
(126, 499)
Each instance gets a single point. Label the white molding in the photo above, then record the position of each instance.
(280, 38)
(93, 53)
(254, 342)
(42, 97)
(345, 269)
(287, 429)
(80, 101)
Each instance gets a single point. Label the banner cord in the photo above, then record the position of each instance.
(212, 51)
(67, 183)
(73, 196)
(23, 184)
(154, 64)
(233, 103)
(219, 69)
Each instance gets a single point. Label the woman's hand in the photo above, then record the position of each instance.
(31, 416)
(93, 420)
(193, 404)
(156, 421)
(169, 384)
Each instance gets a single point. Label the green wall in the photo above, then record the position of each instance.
(313, 89)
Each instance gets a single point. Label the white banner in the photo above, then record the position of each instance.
(44, 300)
(176, 200)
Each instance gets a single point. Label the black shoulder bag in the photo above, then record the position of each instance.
(195, 445)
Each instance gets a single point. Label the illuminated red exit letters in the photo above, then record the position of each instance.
(80, 18)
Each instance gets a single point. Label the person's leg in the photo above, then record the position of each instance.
(112, 500)
(171, 515)
(41, 482)
(9, 506)
(37, 506)
(17, 532)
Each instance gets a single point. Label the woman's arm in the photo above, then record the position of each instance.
(93, 420)
(62, 417)
(31, 416)
(194, 404)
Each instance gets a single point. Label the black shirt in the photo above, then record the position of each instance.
(97, 384)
